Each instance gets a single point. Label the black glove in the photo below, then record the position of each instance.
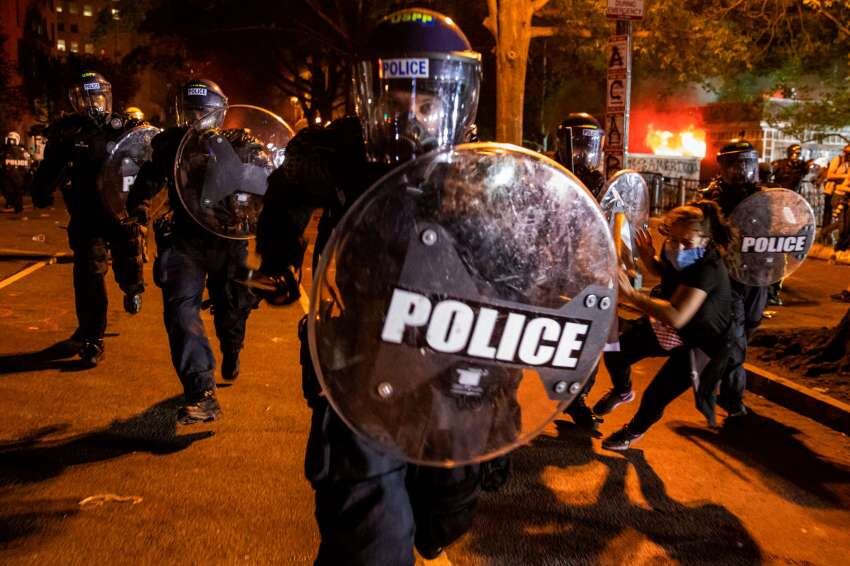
(277, 290)
(140, 215)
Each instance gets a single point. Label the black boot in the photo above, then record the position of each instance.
(133, 303)
(230, 364)
(91, 351)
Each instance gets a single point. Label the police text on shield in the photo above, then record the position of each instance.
(454, 327)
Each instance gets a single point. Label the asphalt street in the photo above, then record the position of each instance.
(93, 469)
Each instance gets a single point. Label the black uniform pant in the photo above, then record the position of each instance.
(13, 188)
(748, 305)
(182, 269)
(92, 249)
(372, 508)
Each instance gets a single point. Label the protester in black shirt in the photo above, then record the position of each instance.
(688, 320)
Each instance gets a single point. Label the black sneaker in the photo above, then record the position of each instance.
(133, 303)
(582, 416)
(203, 410)
(612, 400)
(230, 365)
(91, 351)
(621, 440)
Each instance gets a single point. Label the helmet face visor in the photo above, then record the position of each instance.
(414, 105)
(580, 149)
(739, 168)
(92, 98)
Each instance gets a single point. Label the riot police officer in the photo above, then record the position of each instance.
(788, 173)
(190, 258)
(738, 162)
(580, 143)
(16, 163)
(77, 146)
(416, 90)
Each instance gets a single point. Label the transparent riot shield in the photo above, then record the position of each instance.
(121, 167)
(625, 203)
(777, 229)
(462, 303)
(223, 164)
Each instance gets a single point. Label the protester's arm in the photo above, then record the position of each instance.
(677, 312)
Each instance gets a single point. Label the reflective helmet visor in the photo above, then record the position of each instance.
(413, 105)
(739, 168)
(92, 98)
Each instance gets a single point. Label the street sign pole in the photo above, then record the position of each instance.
(618, 97)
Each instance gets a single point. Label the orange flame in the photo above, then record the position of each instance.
(686, 143)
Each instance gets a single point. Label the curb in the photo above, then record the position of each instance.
(802, 400)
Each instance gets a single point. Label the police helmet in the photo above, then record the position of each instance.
(580, 142)
(794, 151)
(135, 113)
(197, 99)
(738, 161)
(13, 138)
(416, 85)
(91, 94)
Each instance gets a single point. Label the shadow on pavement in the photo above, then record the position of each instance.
(27, 460)
(54, 356)
(771, 446)
(529, 522)
(17, 523)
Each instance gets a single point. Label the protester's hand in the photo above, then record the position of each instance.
(644, 245)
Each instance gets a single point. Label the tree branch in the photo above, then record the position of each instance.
(491, 22)
(538, 5)
(328, 20)
(543, 31)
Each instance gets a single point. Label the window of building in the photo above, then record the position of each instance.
(72, 8)
(87, 10)
(89, 48)
(116, 14)
(75, 28)
(60, 44)
(60, 26)
(75, 47)
(59, 7)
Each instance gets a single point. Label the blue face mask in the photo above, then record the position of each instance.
(684, 258)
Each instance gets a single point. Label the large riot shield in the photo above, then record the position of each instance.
(462, 303)
(777, 229)
(121, 167)
(625, 203)
(221, 171)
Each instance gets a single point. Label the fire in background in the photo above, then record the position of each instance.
(673, 133)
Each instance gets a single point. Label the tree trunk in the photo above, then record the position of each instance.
(510, 23)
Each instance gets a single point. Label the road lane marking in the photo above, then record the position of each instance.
(22, 273)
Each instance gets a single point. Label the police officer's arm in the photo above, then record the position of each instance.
(150, 180)
(320, 165)
(49, 173)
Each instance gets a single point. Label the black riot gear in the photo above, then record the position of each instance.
(198, 98)
(78, 146)
(15, 165)
(788, 173)
(580, 141)
(91, 95)
(738, 161)
(416, 88)
(371, 505)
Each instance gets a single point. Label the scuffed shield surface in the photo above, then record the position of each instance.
(777, 229)
(462, 303)
(626, 191)
(221, 172)
(121, 167)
